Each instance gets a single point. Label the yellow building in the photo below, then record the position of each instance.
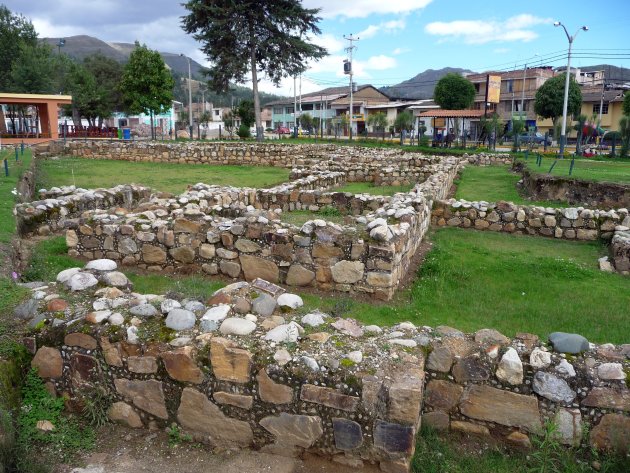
(591, 99)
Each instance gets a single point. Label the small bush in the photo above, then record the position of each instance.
(329, 211)
(243, 131)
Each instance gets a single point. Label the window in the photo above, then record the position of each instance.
(307, 107)
(604, 109)
(289, 110)
(277, 110)
(477, 87)
(510, 86)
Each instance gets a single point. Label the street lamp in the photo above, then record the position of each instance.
(60, 44)
(563, 135)
(190, 120)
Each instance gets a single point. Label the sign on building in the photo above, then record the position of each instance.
(493, 89)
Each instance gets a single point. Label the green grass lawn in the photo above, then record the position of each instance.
(166, 177)
(494, 183)
(369, 188)
(608, 170)
(7, 184)
(472, 280)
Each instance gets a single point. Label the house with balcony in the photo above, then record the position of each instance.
(329, 105)
(516, 96)
(317, 104)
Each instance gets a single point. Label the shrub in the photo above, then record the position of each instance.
(243, 131)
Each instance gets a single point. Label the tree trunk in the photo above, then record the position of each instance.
(76, 118)
(257, 114)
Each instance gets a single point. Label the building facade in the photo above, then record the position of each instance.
(516, 96)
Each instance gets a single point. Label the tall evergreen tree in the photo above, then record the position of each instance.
(266, 36)
(147, 84)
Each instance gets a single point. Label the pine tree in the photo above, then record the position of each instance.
(266, 36)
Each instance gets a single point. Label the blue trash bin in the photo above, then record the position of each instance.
(126, 133)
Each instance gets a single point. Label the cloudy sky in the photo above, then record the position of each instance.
(398, 38)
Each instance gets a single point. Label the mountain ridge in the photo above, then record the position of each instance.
(81, 46)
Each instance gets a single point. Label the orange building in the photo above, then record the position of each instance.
(30, 118)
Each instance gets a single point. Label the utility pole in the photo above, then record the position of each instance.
(348, 70)
(295, 129)
(601, 105)
(523, 91)
(190, 117)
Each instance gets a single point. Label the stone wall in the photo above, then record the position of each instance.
(319, 254)
(240, 369)
(620, 250)
(487, 384)
(246, 367)
(565, 223)
(58, 207)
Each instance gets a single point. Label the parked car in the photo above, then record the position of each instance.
(537, 138)
(283, 130)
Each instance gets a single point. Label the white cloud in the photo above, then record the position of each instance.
(364, 8)
(385, 27)
(399, 51)
(381, 62)
(516, 28)
(501, 50)
(332, 43)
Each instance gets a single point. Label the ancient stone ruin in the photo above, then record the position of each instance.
(248, 366)
(238, 232)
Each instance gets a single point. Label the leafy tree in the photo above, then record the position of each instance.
(16, 35)
(86, 96)
(379, 121)
(454, 92)
(404, 121)
(107, 73)
(626, 104)
(550, 98)
(245, 111)
(307, 121)
(268, 36)
(146, 84)
(33, 73)
(518, 126)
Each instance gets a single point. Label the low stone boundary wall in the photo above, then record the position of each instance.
(320, 254)
(569, 223)
(620, 250)
(243, 368)
(58, 206)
